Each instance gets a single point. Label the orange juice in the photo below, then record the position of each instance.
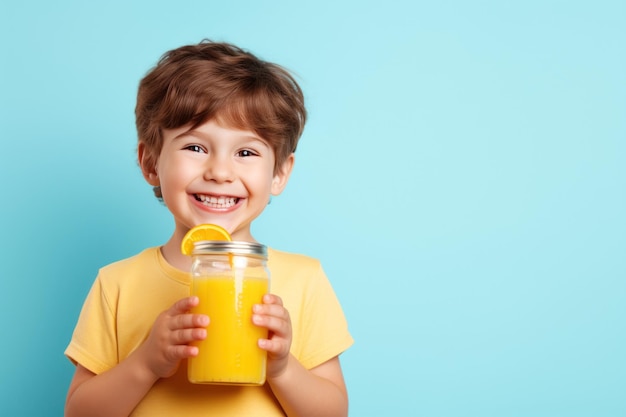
(230, 353)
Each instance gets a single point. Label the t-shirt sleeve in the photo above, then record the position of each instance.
(324, 333)
(93, 343)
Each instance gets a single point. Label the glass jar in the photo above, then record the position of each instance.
(229, 278)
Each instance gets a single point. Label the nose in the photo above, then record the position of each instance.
(219, 168)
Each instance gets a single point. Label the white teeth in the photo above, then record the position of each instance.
(216, 202)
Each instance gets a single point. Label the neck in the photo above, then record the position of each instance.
(173, 256)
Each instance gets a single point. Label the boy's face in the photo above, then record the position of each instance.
(216, 174)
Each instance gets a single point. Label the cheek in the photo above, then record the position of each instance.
(172, 177)
(261, 185)
(175, 167)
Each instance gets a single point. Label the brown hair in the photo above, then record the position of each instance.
(193, 84)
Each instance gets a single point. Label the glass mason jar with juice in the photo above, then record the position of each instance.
(229, 278)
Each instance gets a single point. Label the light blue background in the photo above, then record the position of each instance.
(462, 178)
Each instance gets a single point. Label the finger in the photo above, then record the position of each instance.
(184, 336)
(186, 321)
(276, 347)
(272, 299)
(271, 310)
(184, 305)
(175, 353)
(276, 325)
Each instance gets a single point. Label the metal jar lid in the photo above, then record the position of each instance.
(216, 247)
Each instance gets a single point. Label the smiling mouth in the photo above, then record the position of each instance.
(216, 202)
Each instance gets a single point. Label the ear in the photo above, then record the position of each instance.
(282, 176)
(147, 162)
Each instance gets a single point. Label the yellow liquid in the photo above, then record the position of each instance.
(230, 353)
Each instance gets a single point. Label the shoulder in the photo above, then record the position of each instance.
(280, 262)
(296, 259)
(295, 272)
(129, 266)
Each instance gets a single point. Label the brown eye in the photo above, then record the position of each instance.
(194, 148)
(246, 152)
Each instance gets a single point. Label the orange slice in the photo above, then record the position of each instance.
(202, 232)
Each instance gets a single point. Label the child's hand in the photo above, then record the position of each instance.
(171, 333)
(273, 316)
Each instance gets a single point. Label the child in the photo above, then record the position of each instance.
(217, 133)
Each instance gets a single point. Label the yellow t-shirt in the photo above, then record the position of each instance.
(128, 295)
